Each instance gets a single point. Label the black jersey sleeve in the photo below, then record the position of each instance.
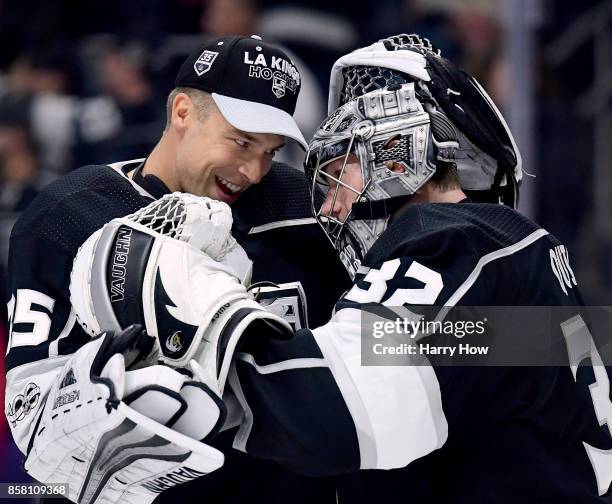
(521, 424)
(337, 415)
(42, 247)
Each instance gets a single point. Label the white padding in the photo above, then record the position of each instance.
(203, 413)
(397, 410)
(408, 62)
(154, 375)
(156, 405)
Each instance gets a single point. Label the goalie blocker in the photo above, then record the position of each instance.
(135, 270)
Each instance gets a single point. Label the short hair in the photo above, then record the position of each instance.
(202, 100)
(446, 176)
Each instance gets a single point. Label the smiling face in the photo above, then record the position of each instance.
(215, 159)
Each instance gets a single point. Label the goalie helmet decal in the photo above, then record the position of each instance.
(495, 171)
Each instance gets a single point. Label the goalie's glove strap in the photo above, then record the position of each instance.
(133, 343)
(170, 423)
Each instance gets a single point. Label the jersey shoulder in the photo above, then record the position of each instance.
(282, 195)
(473, 253)
(441, 228)
(68, 210)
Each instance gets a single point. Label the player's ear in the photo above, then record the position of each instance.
(182, 111)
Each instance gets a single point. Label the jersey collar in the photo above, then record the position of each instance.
(150, 183)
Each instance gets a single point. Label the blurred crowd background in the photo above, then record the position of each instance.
(86, 82)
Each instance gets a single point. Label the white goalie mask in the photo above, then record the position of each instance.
(365, 127)
(399, 100)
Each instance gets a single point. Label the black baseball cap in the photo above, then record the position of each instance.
(254, 84)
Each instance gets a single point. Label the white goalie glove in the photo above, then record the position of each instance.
(174, 268)
(123, 436)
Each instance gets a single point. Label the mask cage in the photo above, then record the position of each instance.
(317, 159)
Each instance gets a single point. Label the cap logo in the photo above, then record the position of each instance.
(204, 62)
(279, 84)
(284, 76)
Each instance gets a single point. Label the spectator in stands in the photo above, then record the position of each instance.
(18, 166)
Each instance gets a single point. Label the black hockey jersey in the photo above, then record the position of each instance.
(271, 222)
(442, 432)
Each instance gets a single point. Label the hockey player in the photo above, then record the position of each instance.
(408, 138)
(230, 111)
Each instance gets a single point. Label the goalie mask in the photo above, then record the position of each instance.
(399, 100)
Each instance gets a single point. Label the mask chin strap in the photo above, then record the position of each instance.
(379, 209)
(507, 194)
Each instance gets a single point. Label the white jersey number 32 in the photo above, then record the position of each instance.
(378, 278)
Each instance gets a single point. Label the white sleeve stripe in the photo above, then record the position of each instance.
(283, 365)
(490, 257)
(397, 410)
(281, 224)
(431, 386)
(354, 403)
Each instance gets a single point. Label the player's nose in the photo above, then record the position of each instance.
(332, 205)
(254, 170)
